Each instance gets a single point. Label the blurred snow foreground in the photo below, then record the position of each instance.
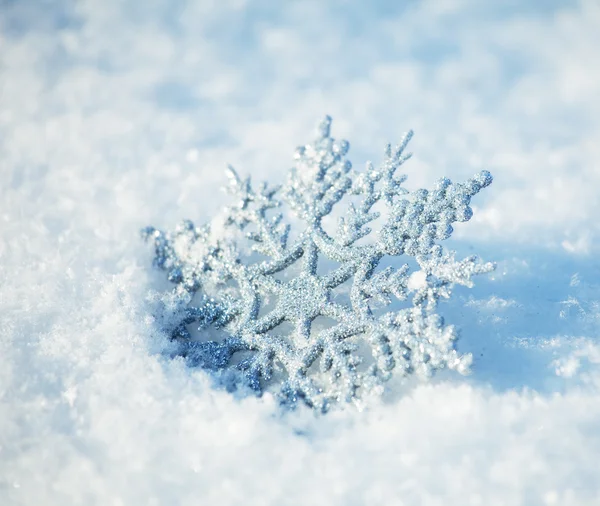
(316, 315)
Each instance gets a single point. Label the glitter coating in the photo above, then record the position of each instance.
(250, 297)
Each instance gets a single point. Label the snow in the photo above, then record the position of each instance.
(116, 115)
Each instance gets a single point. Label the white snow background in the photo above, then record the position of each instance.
(116, 114)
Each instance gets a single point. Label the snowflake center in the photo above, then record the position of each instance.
(304, 297)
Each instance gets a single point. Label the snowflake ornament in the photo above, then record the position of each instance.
(271, 304)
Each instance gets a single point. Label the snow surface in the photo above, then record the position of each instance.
(115, 115)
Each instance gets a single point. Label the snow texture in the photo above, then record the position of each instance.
(118, 114)
(409, 340)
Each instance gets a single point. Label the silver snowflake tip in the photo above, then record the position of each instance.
(313, 315)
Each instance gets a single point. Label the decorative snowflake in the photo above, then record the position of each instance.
(269, 303)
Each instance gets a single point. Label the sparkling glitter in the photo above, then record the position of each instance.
(367, 339)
